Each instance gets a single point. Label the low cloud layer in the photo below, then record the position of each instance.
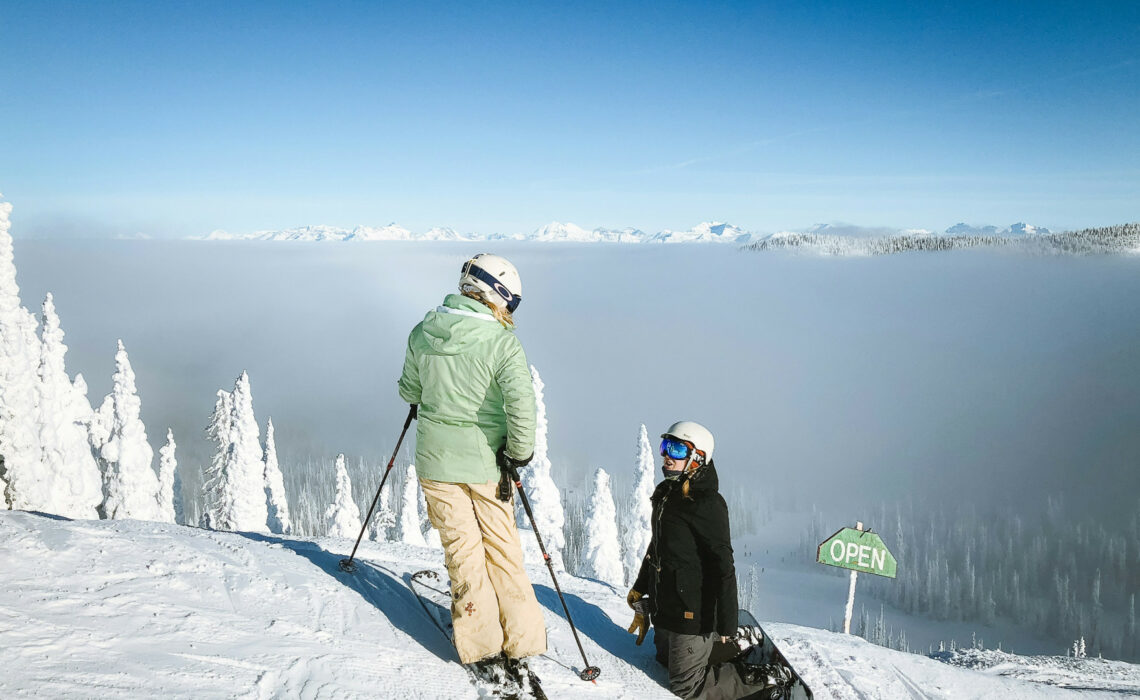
(979, 376)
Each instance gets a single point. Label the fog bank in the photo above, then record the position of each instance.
(966, 375)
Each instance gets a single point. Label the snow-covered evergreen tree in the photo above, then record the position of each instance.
(545, 498)
(1079, 651)
(601, 555)
(1130, 636)
(638, 527)
(343, 517)
(168, 501)
(179, 502)
(431, 535)
(99, 429)
(66, 461)
(383, 523)
(408, 525)
(235, 486)
(279, 520)
(216, 481)
(21, 478)
(130, 485)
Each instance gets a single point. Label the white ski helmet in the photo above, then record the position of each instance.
(696, 435)
(495, 277)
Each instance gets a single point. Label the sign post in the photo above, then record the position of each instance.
(858, 550)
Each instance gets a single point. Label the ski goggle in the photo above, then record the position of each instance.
(513, 300)
(675, 449)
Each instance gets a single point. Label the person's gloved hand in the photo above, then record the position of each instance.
(503, 493)
(415, 410)
(632, 597)
(639, 626)
(509, 463)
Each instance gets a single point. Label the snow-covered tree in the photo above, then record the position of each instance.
(279, 520)
(343, 517)
(21, 478)
(1131, 633)
(66, 458)
(215, 480)
(545, 498)
(1078, 650)
(235, 480)
(601, 555)
(408, 526)
(130, 486)
(169, 502)
(383, 520)
(180, 516)
(638, 525)
(99, 429)
(431, 535)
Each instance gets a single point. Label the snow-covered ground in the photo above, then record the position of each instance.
(140, 609)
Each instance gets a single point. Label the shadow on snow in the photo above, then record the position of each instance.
(383, 588)
(594, 623)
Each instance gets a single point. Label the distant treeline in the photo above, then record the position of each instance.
(1124, 238)
(1063, 577)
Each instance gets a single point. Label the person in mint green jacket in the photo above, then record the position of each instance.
(467, 373)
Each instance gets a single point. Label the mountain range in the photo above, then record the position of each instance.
(706, 232)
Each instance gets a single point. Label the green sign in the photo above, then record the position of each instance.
(855, 549)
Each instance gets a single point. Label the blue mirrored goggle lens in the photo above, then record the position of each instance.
(675, 449)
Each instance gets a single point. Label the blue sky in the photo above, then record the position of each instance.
(174, 119)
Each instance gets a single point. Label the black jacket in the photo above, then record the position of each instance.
(688, 572)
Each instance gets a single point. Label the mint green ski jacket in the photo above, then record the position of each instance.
(472, 382)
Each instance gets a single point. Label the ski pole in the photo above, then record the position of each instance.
(590, 673)
(348, 565)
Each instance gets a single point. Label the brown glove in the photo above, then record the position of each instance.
(633, 597)
(639, 626)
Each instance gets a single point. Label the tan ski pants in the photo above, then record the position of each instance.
(493, 607)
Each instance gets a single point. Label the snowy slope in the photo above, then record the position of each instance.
(141, 609)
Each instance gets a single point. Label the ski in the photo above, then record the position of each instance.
(760, 648)
(508, 680)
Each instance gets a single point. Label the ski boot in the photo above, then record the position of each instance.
(521, 674)
(493, 672)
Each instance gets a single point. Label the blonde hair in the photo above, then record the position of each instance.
(501, 314)
(689, 473)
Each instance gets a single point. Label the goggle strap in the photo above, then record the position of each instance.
(470, 268)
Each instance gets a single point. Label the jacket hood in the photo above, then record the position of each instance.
(702, 482)
(447, 327)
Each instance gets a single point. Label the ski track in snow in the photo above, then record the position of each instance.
(132, 609)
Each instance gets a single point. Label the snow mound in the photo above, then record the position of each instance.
(1060, 671)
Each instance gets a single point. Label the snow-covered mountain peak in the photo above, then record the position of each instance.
(705, 232)
(557, 231)
(1023, 229)
(391, 232)
(1018, 229)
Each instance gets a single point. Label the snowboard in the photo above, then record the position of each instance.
(762, 646)
(434, 595)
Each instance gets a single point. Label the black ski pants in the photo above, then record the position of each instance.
(691, 676)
